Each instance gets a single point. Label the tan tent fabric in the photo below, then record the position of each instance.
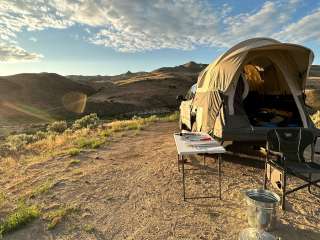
(287, 73)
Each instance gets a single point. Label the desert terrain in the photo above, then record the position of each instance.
(110, 179)
(130, 188)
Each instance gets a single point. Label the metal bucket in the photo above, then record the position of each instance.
(261, 208)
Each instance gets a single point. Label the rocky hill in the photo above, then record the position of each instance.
(47, 96)
(132, 93)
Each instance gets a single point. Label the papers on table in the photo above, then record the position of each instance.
(188, 143)
(199, 140)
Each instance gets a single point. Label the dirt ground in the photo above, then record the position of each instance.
(131, 189)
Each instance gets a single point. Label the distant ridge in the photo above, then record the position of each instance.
(27, 96)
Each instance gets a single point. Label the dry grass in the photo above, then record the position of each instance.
(316, 119)
(50, 155)
(73, 162)
(72, 151)
(43, 188)
(54, 217)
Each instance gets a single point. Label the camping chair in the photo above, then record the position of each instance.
(287, 146)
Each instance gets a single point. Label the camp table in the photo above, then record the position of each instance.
(186, 148)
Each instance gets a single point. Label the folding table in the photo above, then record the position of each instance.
(184, 148)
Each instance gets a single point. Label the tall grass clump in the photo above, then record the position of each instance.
(56, 216)
(316, 119)
(17, 142)
(57, 127)
(171, 117)
(89, 142)
(88, 121)
(18, 218)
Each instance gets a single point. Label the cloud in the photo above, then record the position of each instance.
(140, 25)
(264, 22)
(304, 30)
(144, 25)
(11, 53)
(18, 15)
(131, 26)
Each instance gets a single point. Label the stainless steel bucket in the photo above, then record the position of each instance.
(261, 208)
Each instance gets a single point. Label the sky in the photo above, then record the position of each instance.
(108, 37)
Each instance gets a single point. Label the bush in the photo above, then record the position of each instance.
(5, 149)
(316, 119)
(68, 131)
(73, 151)
(58, 127)
(89, 143)
(88, 121)
(21, 216)
(40, 135)
(17, 142)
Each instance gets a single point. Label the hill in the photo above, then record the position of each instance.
(39, 97)
(140, 92)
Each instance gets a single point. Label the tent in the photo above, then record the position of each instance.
(256, 85)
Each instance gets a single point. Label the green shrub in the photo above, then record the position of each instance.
(19, 217)
(18, 142)
(89, 143)
(58, 127)
(74, 162)
(88, 121)
(56, 216)
(171, 117)
(316, 119)
(43, 188)
(73, 151)
(88, 228)
(68, 131)
(40, 135)
(5, 149)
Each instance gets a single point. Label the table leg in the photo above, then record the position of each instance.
(219, 172)
(178, 163)
(183, 180)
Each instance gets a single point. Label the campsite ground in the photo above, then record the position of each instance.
(130, 188)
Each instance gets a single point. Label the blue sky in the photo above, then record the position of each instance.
(110, 37)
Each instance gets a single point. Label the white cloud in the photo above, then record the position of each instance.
(11, 53)
(262, 23)
(147, 25)
(16, 15)
(304, 30)
(141, 25)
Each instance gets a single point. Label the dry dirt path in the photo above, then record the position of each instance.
(131, 189)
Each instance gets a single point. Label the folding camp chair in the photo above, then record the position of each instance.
(286, 153)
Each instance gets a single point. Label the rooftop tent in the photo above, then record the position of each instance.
(258, 74)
